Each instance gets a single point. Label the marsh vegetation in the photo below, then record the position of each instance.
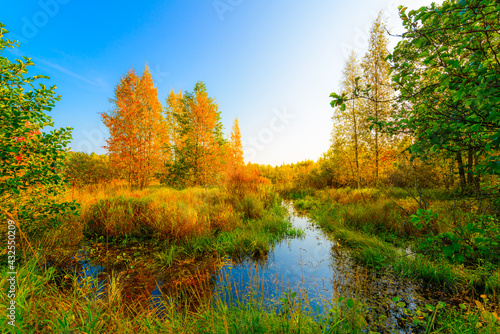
(394, 229)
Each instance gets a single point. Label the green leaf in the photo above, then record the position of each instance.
(350, 303)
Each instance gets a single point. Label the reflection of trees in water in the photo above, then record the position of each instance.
(374, 290)
(258, 259)
(349, 279)
(191, 287)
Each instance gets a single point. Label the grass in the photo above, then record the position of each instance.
(440, 273)
(170, 230)
(375, 224)
(166, 214)
(88, 308)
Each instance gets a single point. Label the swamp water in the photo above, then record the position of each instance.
(314, 265)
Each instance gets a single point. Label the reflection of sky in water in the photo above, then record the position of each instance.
(157, 301)
(89, 273)
(292, 264)
(313, 264)
(319, 267)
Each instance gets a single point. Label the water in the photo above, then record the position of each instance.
(322, 270)
(316, 266)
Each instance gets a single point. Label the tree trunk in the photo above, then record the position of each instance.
(451, 178)
(477, 178)
(375, 86)
(376, 135)
(356, 144)
(470, 172)
(461, 171)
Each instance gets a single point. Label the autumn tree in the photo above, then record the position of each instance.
(378, 84)
(197, 142)
(137, 129)
(347, 119)
(152, 129)
(235, 158)
(174, 108)
(365, 101)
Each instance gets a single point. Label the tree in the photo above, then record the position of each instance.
(377, 80)
(137, 129)
(176, 169)
(347, 119)
(363, 103)
(197, 142)
(153, 129)
(447, 70)
(83, 169)
(205, 117)
(30, 158)
(235, 147)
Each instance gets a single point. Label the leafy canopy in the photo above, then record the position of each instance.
(447, 70)
(30, 160)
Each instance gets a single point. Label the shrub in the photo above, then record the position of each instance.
(251, 206)
(30, 160)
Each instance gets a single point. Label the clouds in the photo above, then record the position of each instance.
(96, 82)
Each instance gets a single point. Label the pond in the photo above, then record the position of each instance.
(320, 268)
(315, 265)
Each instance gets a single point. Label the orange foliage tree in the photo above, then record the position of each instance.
(235, 154)
(197, 144)
(137, 129)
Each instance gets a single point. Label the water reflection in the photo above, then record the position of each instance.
(315, 265)
(322, 270)
(88, 279)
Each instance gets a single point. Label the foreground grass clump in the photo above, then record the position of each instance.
(190, 222)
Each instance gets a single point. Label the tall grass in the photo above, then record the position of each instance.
(91, 306)
(87, 308)
(162, 213)
(376, 225)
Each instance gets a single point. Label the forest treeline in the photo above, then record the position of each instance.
(181, 144)
(424, 115)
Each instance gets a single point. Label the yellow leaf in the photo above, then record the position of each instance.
(488, 316)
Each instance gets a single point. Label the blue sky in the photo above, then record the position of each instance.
(271, 63)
